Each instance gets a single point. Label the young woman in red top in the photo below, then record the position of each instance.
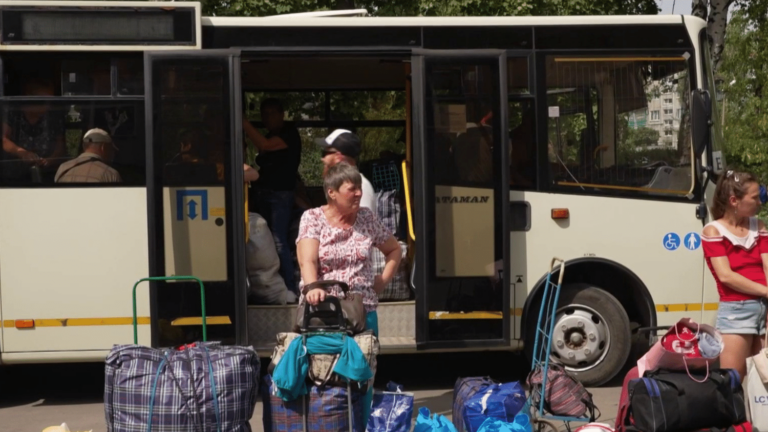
(736, 250)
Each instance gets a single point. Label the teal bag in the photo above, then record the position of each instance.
(522, 423)
(436, 423)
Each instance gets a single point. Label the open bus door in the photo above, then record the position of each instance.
(195, 194)
(461, 191)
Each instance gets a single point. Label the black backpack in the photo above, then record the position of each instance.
(671, 401)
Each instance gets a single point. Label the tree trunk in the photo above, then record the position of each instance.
(699, 9)
(718, 18)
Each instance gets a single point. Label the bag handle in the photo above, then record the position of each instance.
(324, 284)
(167, 279)
(315, 311)
(696, 336)
(689, 372)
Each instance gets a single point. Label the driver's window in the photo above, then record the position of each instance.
(618, 125)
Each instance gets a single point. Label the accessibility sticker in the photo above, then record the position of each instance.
(692, 241)
(671, 241)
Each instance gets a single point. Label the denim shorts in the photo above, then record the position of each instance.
(742, 317)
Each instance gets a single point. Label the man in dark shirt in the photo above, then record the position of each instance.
(274, 193)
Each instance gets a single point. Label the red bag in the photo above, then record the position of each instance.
(682, 341)
(661, 357)
(623, 418)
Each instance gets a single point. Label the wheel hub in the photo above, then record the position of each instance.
(581, 337)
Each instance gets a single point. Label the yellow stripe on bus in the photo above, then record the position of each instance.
(80, 322)
(213, 320)
(466, 315)
(686, 307)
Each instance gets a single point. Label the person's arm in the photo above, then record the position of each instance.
(762, 240)
(250, 174)
(58, 153)
(722, 268)
(12, 149)
(393, 254)
(262, 143)
(307, 253)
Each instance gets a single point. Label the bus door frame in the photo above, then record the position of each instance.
(235, 198)
(424, 193)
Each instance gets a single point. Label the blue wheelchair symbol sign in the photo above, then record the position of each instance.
(692, 241)
(190, 207)
(671, 241)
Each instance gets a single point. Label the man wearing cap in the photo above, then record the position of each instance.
(91, 166)
(344, 146)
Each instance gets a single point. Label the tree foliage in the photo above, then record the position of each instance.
(433, 7)
(744, 82)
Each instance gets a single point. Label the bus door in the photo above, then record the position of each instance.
(195, 194)
(462, 198)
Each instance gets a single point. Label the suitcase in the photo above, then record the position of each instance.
(203, 386)
(324, 409)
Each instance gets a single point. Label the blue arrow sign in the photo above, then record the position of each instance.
(192, 204)
(192, 209)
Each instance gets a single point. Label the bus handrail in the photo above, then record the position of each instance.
(165, 279)
(408, 201)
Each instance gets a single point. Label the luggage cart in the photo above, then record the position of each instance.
(542, 350)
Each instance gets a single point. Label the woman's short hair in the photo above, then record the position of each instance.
(339, 174)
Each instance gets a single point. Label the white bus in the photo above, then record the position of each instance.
(515, 139)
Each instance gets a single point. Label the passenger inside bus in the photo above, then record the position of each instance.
(34, 134)
(473, 150)
(273, 195)
(92, 165)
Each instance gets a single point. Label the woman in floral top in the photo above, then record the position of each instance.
(335, 242)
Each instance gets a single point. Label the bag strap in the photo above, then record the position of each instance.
(685, 362)
(89, 160)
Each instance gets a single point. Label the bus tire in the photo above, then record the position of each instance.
(591, 336)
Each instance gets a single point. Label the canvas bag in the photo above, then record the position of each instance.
(756, 397)
(659, 357)
(761, 361)
(563, 395)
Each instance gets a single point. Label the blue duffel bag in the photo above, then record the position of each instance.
(492, 400)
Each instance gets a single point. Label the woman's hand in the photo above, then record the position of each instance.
(28, 156)
(315, 296)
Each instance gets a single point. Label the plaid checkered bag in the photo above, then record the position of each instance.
(388, 209)
(326, 410)
(397, 288)
(463, 390)
(203, 387)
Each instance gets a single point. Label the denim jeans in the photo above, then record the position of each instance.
(276, 208)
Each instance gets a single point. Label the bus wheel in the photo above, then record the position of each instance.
(592, 335)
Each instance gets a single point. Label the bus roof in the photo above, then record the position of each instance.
(446, 21)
